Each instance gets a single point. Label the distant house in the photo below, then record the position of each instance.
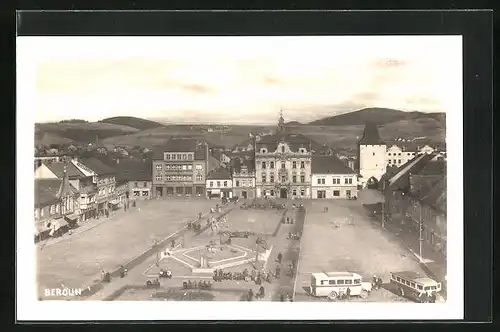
(331, 178)
(52, 152)
(243, 175)
(102, 150)
(137, 174)
(219, 183)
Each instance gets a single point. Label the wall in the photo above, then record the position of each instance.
(372, 162)
(398, 157)
(141, 187)
(329, 187)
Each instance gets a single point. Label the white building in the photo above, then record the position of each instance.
(372, 155)
(332, 179)
(219, 183)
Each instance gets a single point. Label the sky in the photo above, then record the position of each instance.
(240, 80)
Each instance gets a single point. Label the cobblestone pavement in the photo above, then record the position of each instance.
(344, 239)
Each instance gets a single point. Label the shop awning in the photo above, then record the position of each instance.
(72, 216)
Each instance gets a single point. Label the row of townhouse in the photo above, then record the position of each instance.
(415, 196)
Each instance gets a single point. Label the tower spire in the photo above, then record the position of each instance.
(281, 121)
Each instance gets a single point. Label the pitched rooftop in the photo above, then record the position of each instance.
(57, 168)
(329, 165)
(371, 135)
(97, 166)
(220, 173)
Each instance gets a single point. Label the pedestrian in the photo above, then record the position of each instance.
(268, 277)
(261, 292)
(253, 275)
(374, 281)
(348, 293)
(250, 295)
(278, 271)
(280, 257)
(433, 297)
(282, 297)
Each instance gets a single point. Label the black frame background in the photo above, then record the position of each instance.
(476, 27)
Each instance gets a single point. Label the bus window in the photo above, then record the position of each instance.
(332, 282)
(340, 282)
(419, 287)
(412, 285)
(433, 287)
(348, 282)
(427, 288)
(322, 282)
(357, 281)
(407, 283)
(398, 279)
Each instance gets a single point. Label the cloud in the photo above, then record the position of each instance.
(197, 88)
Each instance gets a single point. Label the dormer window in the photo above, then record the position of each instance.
(263, 151)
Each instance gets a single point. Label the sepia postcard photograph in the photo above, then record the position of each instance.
(240, 178)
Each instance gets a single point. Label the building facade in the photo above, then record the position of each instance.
(104, 180)
(243, 175)
(179, 168)
(332, 179)
(283, 166)
(136, 177)
(219, 183)
(372, 152)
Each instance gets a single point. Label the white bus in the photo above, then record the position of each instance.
(416, 287)
(335, 284)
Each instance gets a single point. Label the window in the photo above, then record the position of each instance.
(412, 285)
(348, 180)
(190, 167)
(357, 281)
(199, 167)
(264, 164)
(389, 153)
(373, 153)
(262, 150)
(419, 287)
(272, 192)
(173, 157)
(199, 177)
(319, 181)
(190, 157)
(167, 157)
(340, 282)
(145, 193)
(145, 184)
(271, 164)
(399, 161)
(294, 164)
(398, 279)
(399, 154)
(225, 183)
(184, 167)
(218, 184)
(158, 167)
(323, 281)
(294, 179)
(263, 178)
(294, 192)
(282, 149)
(137, 193)
(211, 184)
(427, 288)
(184, 157)
(332, 282)
(348, 282)
(179, 157)
(282, 165)
(57, 208)
(394, 161)
(168, 178)
(302, 192)
(283, 178)
(302, 179)
(302, 164)
(348, 193)
(271, 178)
(237, 183)
(158, 178)
(322, 181)
(137, 184)
(336, 193)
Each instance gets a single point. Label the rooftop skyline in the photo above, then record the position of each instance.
(239, 80)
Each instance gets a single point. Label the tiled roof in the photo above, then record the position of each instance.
(436, 196)
(182, 145)
(294, 141)
(97, 166)
(436, 167)
(220, 173)
(400, 179)
(236, 165)
(133, 170)
(46, 191)
(58, 169)
(415, 146)
(329, 165)
(371, 135)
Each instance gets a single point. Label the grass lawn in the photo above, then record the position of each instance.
(78, 260)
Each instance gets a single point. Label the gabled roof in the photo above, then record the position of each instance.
(47, 190)
(133, 170)
(58, 169)
(294, 141)
(181, 145)
(329, 165)
(436, 167)
(401, 177)
(237, 164)
(220, 173)
(371, 135)
(97, 166)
